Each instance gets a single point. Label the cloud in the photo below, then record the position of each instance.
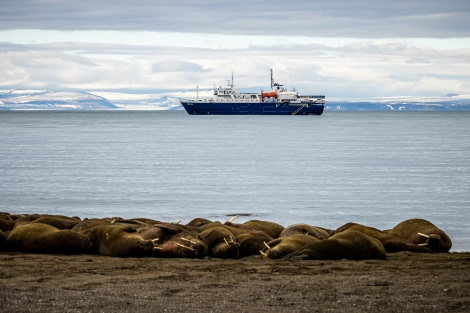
(176, 66)
(357, 68)
(339, 48)
(341, 18)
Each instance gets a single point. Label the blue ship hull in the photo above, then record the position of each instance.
(250, 108)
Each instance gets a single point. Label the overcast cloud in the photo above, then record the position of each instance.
(340, 48)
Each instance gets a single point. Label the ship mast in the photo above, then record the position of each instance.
(232, 85)
(272, 80)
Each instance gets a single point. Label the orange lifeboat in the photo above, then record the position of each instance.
(269, 94)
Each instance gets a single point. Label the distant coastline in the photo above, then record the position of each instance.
(160, 100)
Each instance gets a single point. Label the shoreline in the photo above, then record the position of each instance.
(77, 283)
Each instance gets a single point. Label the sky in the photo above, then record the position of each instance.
(340, 48)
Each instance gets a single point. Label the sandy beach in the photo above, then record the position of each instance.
(405, 281)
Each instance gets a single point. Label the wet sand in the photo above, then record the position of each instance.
(405, 281)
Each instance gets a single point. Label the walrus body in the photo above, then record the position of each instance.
(89, 223)
(425, 233)
(3, 239)
(221, 243)
(120, 240)
(391, 242)
(270, 228)
(44, 238)
(305, 229)
(284, 246)
(182, 246)
(349, 244)
(175, 240)
(6, 222)
(252, 242)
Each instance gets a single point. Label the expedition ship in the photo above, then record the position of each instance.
(278, 101)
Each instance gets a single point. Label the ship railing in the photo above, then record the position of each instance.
(313, 96)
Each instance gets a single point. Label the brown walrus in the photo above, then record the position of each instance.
(89, 223)
(182, 245)
(6, 222)
(58, 221)
(349, 244)
(120, 240)
(314, 231)
(3, 239)
(280, 247)
(270, 228)
(44, 238)
(175, 240)
(423, 232)
(391, 242)
(221, 243)
(252, 242)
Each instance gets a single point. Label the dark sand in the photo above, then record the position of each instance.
(405, 282)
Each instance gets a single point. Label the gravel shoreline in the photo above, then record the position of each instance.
(405, 281)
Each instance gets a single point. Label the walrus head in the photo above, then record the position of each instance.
(434, 242)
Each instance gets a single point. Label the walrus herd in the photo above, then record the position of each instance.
(142, 237)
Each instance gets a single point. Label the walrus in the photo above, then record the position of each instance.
(3, 239)
(181, 245)
(89, 223)
(349, 244)
(423, 232)
(120, 240)
(58, 221)
(198, 221)
(6, 222)
(314, 231)
(236, 230)
(391, 242)
(221, 243)
(44, 238)
(175, 240)
(280, 247)
(270, 228)
(252, 242)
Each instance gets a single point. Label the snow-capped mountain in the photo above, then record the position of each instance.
(52, 100)
(451, 102)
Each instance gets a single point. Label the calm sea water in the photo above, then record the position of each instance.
(374, 168)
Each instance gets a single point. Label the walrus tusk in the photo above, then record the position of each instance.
(422, 244)
(188, 240)
(269, 248)
(263, 254)
(177, 222)
(423, 235)
(226, 242)
(157, 248)
(182, 246)
(156, 239)
(233, 218)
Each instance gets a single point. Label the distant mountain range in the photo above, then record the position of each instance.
(52, 100)
(101, 100)
(446, 103)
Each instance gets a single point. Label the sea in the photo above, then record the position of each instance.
(373, 168)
